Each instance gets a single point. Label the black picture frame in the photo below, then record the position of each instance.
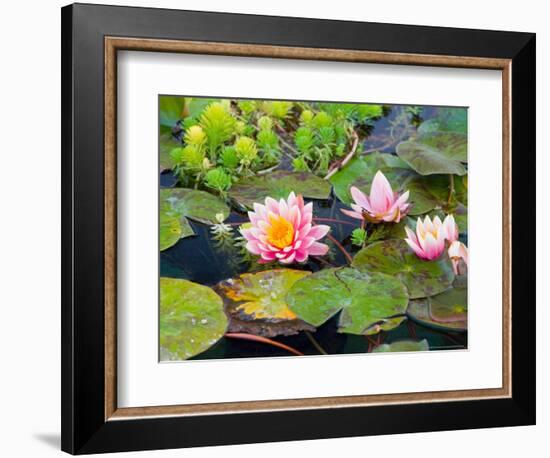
(84, 427)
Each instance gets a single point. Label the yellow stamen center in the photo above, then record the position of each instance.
(281, 232)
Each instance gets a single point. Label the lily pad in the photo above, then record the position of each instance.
(167, 143)
(448, 310)
(256, 302)
(436, 153)
(369, 302)
(446, 120)
(278, 185)
(173, 226)
(170, 110)
(395, 258)
(359, 172)
(191, 319)
(403, 345)
(199, 206)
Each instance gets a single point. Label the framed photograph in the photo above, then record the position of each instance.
(280, 229)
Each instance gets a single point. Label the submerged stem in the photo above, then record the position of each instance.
(341, 248)
(451, 188)
(315, 343)
(252, 337)
(333, 220)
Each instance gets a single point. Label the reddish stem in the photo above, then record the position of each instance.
(341, 248)
(252, 337)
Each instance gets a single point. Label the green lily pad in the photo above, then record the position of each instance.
(436, 153)
(256, 302)
(448, 310)
(191, 319)
(173, 226)
(199, 206)
(395, 258)
(446, 120)
(278, 185)
(360, 171)
(167, 143)
(403, 345)
(170, 110)
(369, 302)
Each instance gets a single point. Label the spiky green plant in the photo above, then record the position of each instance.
(278, 109)
(304, 140)
(195, 136)
(268, 142)
(306, 118)
(218, 180)
(229, 158)
(265, 123)
(246, 150)
(322, 119)
(299, 164)
(219, 126)
(359, 237)
(247, 107)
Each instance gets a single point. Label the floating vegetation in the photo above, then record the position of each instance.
(290, 228)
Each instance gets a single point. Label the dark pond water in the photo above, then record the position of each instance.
(204, 260)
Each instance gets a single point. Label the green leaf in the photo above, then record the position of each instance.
(167, 144)
(256, 302)
(448, 310)
(278, 185)
(196, 205)
(395, 258)
(446, 120)
(191, 319)
(172, 226)
(360, 172)
(435, 153)
(403, 345)
(170, 110)
(368, 301)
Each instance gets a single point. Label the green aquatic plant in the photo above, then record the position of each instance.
(359, 236)
(218, 180)
(246, 150)
(229, 158)
(265, 123)
(219, 126)
(279, 110)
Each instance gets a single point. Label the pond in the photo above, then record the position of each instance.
(213, 254)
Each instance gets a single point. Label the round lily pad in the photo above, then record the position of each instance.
(446, 120)
(278, 185)
(199, 206)
(394, 257)
(167, 143)
(369, 302)
(191, 319)
(403, 345)
(448, 310)
(436, 153)
(172, 226)
(256, 302)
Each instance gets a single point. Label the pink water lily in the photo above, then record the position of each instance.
(457, 250)
(283, 231)
(383, 205)
(429, 240)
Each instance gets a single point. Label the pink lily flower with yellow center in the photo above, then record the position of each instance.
(429, 240)
(457, 250)
(383, 205)
(283, 231)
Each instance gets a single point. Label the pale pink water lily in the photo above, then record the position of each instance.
(457, 250)
(283, 231)
(382, 205)
(429, 240)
